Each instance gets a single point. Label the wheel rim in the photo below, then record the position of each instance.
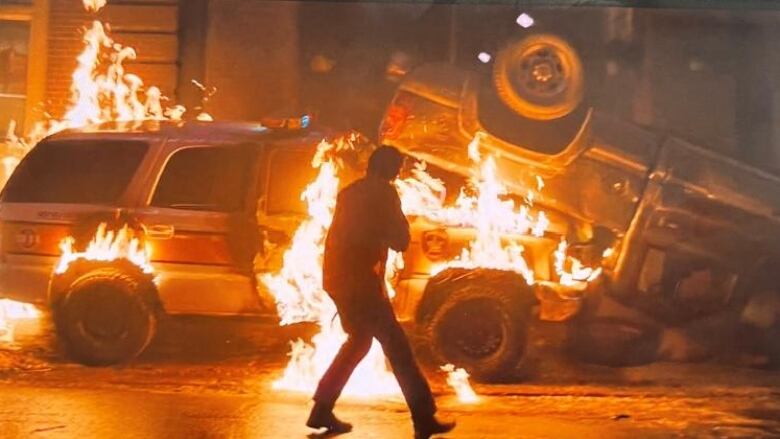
(540, 77)
(472, 330)
(541, 74)
(106, 315)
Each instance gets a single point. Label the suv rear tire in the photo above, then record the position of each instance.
(481, 327)
(105, 316)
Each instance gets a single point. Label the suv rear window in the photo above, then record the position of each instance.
(205, 178)
(75, 172)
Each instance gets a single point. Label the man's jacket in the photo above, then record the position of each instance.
(367, 221)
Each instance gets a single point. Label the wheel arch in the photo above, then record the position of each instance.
(60, 284)
(440, 286)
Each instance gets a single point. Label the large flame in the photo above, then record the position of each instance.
(484, 207)
(107, 245)
(300, 297)
(100, 91)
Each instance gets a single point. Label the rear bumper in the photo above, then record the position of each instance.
(26, 278)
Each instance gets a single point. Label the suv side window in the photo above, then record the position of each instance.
(75, 172)
(289, 172)
(211, 178)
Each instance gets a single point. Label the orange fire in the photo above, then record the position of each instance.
(299, 296)
(107, 245)
(458, 379)
(12, 312)
(571, 272)
(101, 90)
(485, 208)
(94, 5)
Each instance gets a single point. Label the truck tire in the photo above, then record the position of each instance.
(539, 77)
(105, 316)
(480, 325)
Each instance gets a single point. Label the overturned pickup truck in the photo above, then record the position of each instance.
(691, 238)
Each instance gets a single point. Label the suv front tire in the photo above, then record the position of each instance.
(105, 316)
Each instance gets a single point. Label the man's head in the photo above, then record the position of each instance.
(385, 162)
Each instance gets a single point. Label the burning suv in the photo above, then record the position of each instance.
(111, 226)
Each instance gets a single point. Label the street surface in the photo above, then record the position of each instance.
(204, 378)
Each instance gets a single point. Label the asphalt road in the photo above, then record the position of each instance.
(203, 379)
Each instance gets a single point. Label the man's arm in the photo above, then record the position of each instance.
(397, 232)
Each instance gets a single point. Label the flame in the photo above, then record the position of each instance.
(485, 208)
(394, 265)
(100, 91)
(571, 272)
(110, 94)
(94, 5)
(107, 245)
(458, 379)
(299, 296)
(11, 312)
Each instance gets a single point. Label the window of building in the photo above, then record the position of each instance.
(14, 44)
(205, 178)
(88, 172)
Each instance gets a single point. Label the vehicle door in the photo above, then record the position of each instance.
(201, 229)
(285, 172)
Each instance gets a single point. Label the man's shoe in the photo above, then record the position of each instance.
(322, 417)
(426, 429)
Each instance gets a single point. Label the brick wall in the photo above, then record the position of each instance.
(252, 57)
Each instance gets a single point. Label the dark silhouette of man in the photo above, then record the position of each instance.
(367, 221)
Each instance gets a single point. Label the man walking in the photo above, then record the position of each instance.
(367, 221)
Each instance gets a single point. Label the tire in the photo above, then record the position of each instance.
(612, 342)
(539, 77)
(480, 325)
(105, 316)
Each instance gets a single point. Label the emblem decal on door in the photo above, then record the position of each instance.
(27, 238)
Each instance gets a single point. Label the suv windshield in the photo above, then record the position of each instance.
(75, 171)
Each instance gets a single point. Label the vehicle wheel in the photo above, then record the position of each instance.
(612, 342)
(105, 316)
(540, 77)
(482, 328)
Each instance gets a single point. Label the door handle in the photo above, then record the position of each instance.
(159, 231)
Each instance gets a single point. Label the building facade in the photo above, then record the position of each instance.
(711, 76)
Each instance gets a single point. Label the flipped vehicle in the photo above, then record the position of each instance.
(693, 234)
